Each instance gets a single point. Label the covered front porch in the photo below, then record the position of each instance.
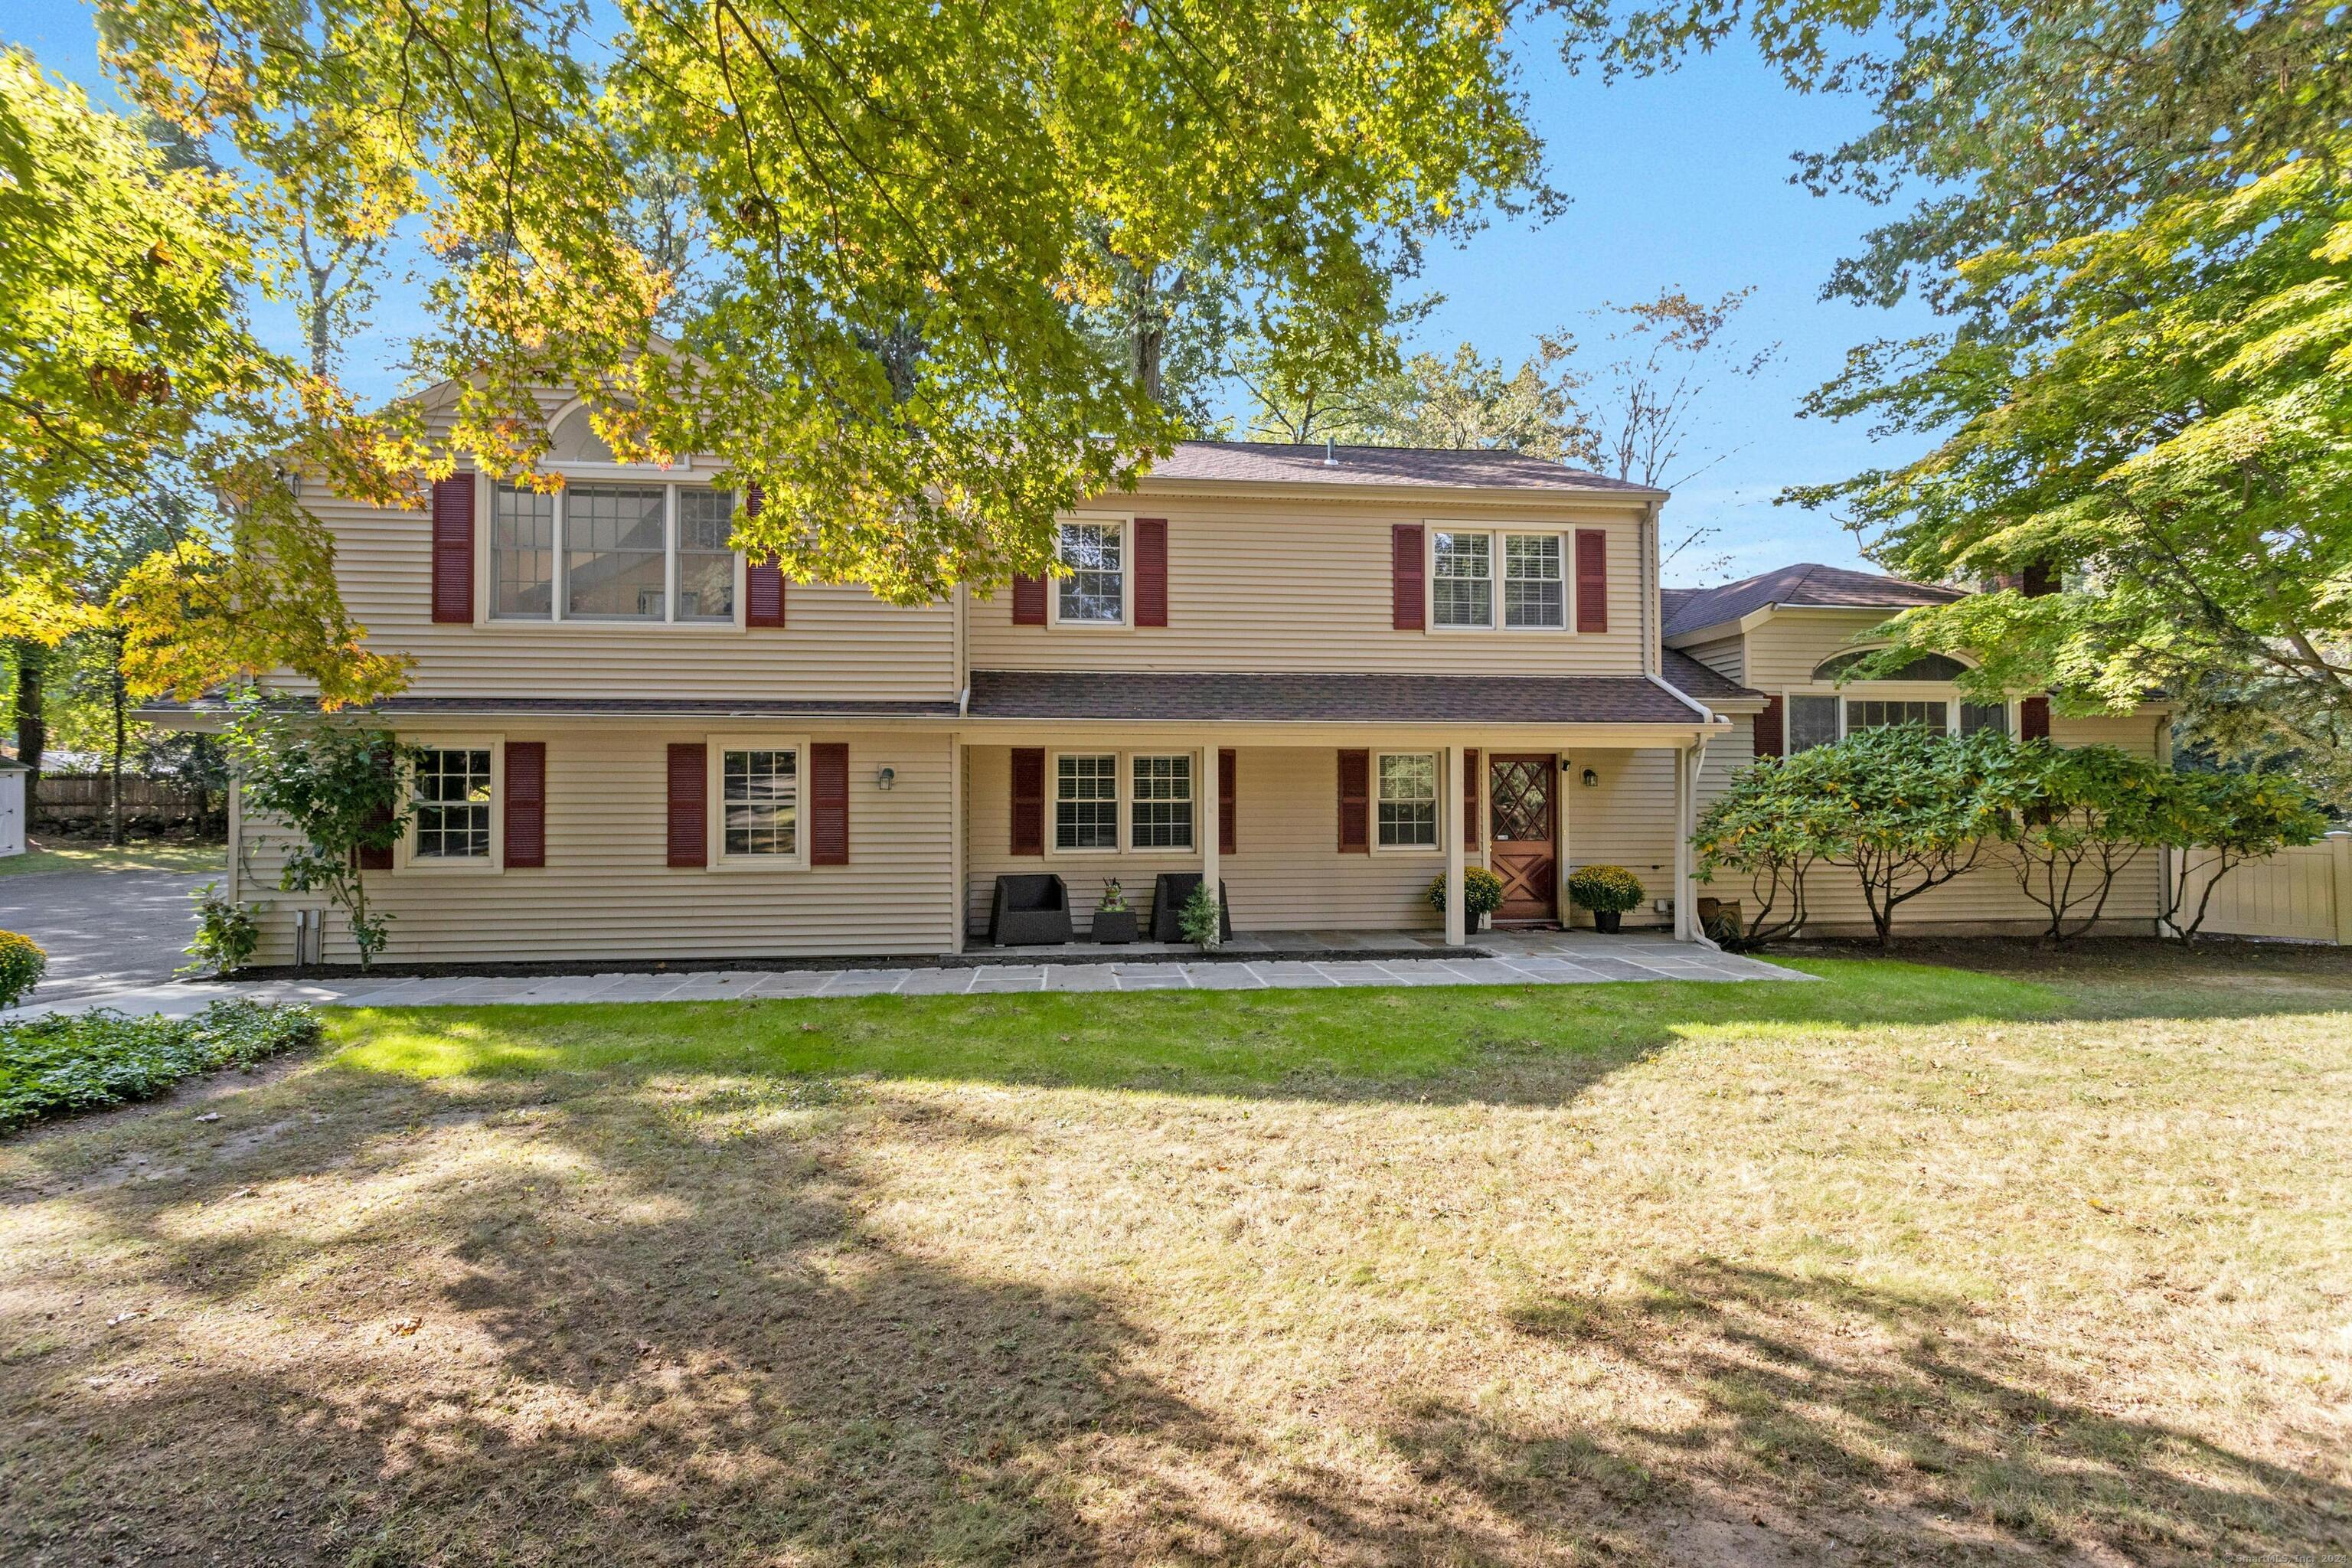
(1334, 828)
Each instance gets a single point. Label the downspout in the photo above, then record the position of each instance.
(1686, 892)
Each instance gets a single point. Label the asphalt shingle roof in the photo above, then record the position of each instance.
(1210, 698)
(1266, 462)
(1804, 583)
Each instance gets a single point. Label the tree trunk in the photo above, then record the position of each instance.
(32, 730)
(119, 696)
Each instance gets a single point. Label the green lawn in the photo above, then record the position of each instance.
(63, 854)
(2048, 1261)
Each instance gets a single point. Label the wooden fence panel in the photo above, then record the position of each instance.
(2300, 895)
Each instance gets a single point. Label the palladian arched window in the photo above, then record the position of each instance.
(1842, 704)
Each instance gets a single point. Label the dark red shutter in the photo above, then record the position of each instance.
(763, 580)
(1591, 580)
(453, 549)
(1028, 800)
(1773, 729)
(1470, 798)
(2034, 718)
(689, 806)
(526, 810)
(829, 803)
(1229, 837)
(1408, 601)
(378, 857)
(1150, 571)
(1028, 601)
(1356, 802)
(763, 593)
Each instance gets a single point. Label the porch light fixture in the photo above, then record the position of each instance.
(884, 778)
(1591, 779)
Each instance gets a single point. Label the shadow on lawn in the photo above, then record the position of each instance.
(1830, 1418)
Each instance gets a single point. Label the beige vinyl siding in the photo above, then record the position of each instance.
(1727, 657)
(606, 891)
(1284, 584)
(1627, 819)
(838, 643)
(1289, 873)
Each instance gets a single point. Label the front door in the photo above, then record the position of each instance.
(1522, 833)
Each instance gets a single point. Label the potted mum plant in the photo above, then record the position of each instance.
(1607, 890)
(1114, 922)
(1482, 895)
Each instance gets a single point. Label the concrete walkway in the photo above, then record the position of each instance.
(1531, 958)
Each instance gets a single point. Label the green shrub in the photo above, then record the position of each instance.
(1605, 890)
(226, 933)
(1199, 919)
(1482, 891)
(21, 964)
(83, 1061)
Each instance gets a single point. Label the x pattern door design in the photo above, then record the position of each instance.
(1519, 829)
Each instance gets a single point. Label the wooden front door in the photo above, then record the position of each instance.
(1522, 828)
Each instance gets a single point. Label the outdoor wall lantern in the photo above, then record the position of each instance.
(1591, 779)
(884, 778)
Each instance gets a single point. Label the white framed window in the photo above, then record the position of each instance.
(1535, 582)
(1484, 578)
(1094, 590)
(1160, 804)
(1405, 808)
(1461, 579)
(639, 552)
(1920, 693)
(757, 791)
(454, 785)
(1086, 803)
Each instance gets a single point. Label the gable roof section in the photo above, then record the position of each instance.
(1806, 584)
(1419, 467)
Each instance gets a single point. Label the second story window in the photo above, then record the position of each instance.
(615, 552)
(1535, 589)
(649, 552)
(1095, 591)
(1464, 581)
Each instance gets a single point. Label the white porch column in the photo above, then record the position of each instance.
(1685, 794)
(1212, 828)
(1449, 788)
(956, 849)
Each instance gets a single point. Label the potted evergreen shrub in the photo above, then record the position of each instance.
(1114, 922)
(1607, 890)
(1482, 895)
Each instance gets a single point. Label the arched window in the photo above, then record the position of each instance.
(575, 440)
(1815, 719)
(1925, 667)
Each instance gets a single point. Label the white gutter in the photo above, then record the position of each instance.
(1713, 719)
(963, 702)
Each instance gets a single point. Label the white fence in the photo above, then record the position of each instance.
(2302, 895)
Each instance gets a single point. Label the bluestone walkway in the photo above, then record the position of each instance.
(1517, 958)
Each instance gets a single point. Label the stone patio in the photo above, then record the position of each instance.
(1302, 959)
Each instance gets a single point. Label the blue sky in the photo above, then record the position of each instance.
(1680, 180)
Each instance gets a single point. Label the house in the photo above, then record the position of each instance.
(1322, 676)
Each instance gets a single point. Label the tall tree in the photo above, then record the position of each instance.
(2132, 216)
(132, 394)
(987, 172)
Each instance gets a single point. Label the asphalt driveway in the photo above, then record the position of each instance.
(104, 929)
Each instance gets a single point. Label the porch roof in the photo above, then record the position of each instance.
(1213, 696)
